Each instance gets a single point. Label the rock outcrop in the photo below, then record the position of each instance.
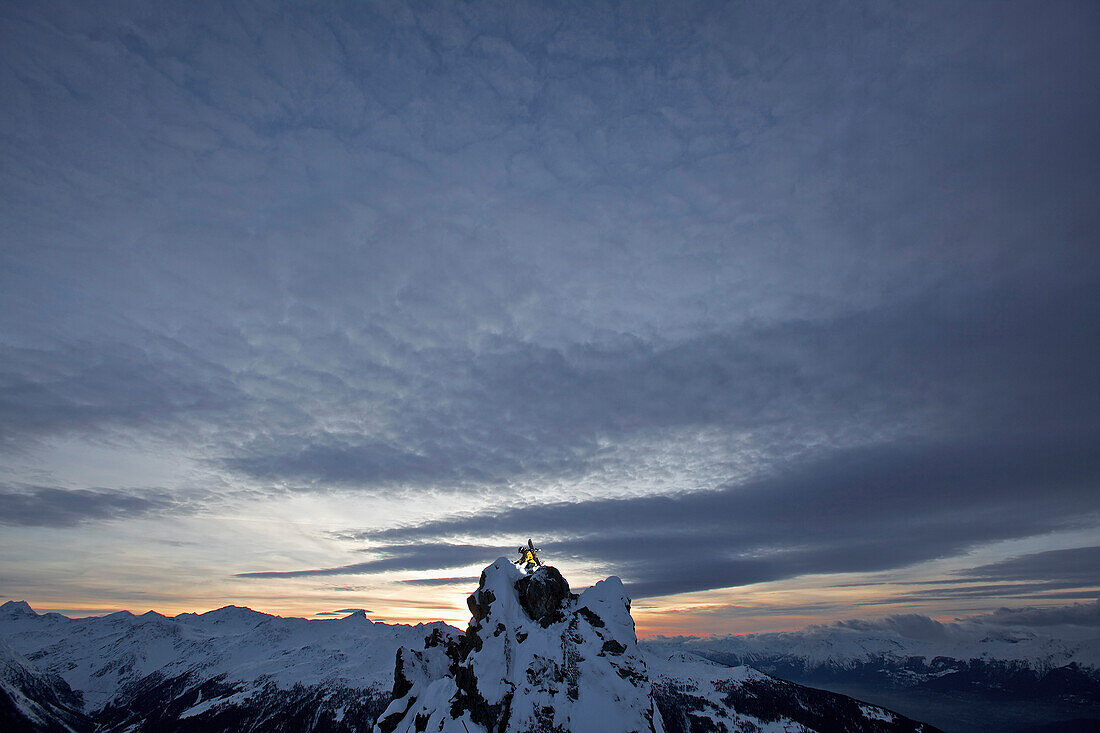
(535, 658)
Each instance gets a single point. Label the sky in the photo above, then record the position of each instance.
(782, 312)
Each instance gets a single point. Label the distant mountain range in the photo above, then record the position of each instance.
(964, 676)
(537, 658)
(235, 669)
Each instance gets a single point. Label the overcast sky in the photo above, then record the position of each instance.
(780, 311)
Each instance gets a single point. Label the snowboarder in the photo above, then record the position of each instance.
(529, 556)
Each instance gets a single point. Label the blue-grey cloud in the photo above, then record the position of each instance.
(43, 506)
(1065, 574)
(860, 510)
(967, 356)
(420, 556)
(918, 626)
(1079, 564)
(391, 248)
(1077, 614)
(429, 582)
(84, 386)
(909, 625)
(642, 130)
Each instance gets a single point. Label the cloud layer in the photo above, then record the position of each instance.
(796, 289)
(40, 506)
(856, 511)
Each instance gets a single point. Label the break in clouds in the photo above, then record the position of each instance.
(801, 289)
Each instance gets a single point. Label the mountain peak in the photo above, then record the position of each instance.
(534, 657)
(17, 608)
(233, 613)
(357, 615)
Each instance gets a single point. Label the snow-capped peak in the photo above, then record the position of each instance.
(17, 608)
(534, 657)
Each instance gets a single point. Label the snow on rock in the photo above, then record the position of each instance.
(534, 658)
(696, 694)
(917, 653)
(848, 645)
(15, 609)
(33, 701)
(221, 670)
(539, 659)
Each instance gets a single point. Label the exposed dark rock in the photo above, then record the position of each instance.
(590, 616)
(542, 593)
(479, 602)
(401, 683)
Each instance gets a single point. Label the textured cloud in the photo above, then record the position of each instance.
(149, 382)
(41, 506)
(859, 510)
(831, 268)
(524, 409)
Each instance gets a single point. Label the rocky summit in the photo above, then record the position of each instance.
(534, 658)
(537, 658)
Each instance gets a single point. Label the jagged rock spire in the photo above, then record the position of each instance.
(535, 658)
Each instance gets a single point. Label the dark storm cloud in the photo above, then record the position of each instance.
(39, 506)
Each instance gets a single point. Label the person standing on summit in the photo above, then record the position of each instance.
(529, 556)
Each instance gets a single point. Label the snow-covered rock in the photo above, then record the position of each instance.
(223, 670)
(34, 701)
(908, 652)
(539, 659)
(534, 658)
(696, 694)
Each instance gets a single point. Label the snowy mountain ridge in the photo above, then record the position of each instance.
(539, 659)
(33, 701)
(536, 658)
(899, 638)
(105, 659)
(967, 675)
